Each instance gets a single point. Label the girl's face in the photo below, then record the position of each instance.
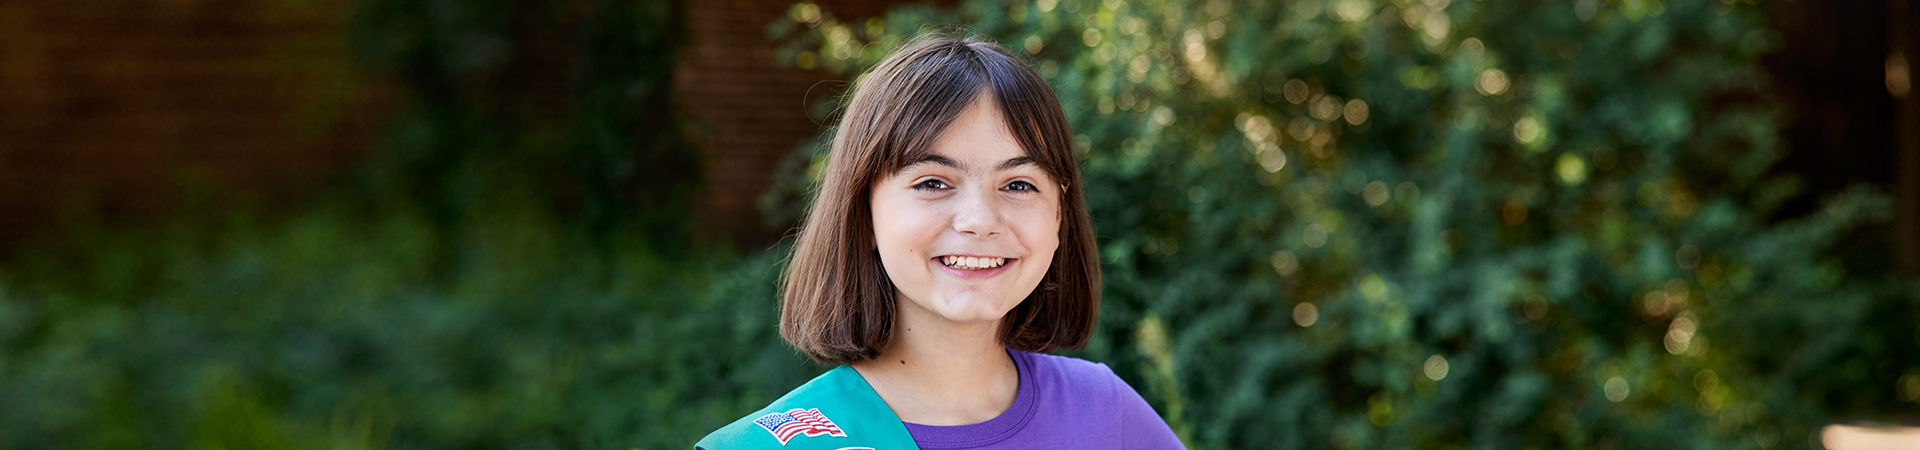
(967, 232)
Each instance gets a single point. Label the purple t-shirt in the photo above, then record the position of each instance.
(1063, 403)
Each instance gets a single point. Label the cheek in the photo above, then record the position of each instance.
(900, 229)
(1041, 235)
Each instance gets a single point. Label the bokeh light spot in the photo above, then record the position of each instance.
(1305, 314)
(1491, 82)
(1435, 367)
(1616, 389)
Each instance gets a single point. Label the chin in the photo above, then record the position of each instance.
(970, 309)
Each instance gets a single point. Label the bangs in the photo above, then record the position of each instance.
(946, 80)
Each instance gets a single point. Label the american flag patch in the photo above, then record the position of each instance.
(794, 422)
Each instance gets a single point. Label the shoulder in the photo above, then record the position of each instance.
(746, 433)
(834, 409)
(736, 435)
(1067, 364)
(1093, 386)
(1075, 375)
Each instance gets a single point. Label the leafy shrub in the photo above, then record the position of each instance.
(494, 277)
(1435, 224)
(337, 330)
(1343, 224)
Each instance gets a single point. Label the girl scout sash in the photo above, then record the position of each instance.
(838, 410)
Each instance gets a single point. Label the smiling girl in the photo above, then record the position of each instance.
(947, 252)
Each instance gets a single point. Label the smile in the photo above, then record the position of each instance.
(972, 262)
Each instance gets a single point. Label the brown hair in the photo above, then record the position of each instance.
(839, 304)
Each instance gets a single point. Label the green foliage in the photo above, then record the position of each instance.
(1434, 224)
(1324, 224)
(336, 330)
(511, 269)
(567, 101)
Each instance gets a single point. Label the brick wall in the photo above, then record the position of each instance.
(120, 110)
(744, 110)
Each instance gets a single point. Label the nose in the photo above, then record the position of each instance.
(979, 213)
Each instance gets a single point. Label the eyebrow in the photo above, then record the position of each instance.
(949, 162)
(931, 158)
(1016, 162)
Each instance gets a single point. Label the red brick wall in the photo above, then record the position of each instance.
(124, 110)
(744, 110)
(120, 109)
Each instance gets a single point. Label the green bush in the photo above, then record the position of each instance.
(493, 277)
(1434, 224)
(336, 330)
(1323, 225)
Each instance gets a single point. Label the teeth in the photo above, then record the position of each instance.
(972, 263)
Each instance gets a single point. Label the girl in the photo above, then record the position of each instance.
(947, 252)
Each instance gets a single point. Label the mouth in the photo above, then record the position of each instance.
(973, 263)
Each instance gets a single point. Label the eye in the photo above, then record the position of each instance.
(1021, 186)
(931, 185)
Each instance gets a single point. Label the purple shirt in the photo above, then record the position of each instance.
(1063, 403)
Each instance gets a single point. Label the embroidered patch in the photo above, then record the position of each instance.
(794, 422)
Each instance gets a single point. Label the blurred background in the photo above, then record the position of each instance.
(411, 224)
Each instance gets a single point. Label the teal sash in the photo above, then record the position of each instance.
(838, 410)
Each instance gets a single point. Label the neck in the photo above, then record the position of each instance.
(938, 372)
